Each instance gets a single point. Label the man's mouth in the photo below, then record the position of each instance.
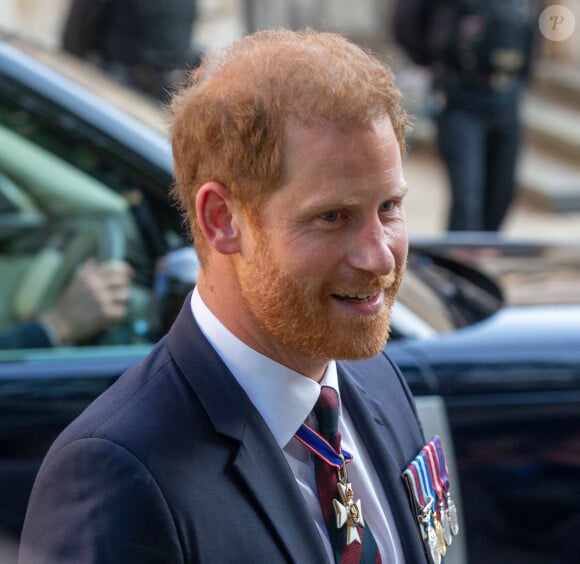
(366, 297)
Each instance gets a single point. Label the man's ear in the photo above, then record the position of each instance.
(216, 216)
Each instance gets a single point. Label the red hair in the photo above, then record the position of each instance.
(228, 122)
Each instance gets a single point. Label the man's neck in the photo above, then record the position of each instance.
(235, 317)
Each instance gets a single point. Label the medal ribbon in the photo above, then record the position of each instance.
(424, 476)
(322, 448)
(450, 505)
(434, 470)
(351, 540)
(442, 462)
(444, 481)
(429, 482)
(413, 479)
(427, 479)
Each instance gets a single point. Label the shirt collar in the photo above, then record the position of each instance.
(283, 397)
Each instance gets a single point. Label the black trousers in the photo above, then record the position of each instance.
(480, 147)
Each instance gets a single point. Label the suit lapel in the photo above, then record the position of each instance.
(264, 469)
(257, 458)
(383, 443)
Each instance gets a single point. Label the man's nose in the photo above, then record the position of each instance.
(371, 249)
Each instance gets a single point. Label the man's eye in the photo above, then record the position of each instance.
(331, 216)
(386, 206)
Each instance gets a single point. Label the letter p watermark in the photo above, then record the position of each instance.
(557, 23)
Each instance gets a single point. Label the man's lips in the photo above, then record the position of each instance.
(357, 297)
(362, 303)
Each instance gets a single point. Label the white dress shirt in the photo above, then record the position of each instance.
(284, 398)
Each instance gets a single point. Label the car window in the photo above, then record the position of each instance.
(530, 274)
(144, 109)
(444, 295)
(68, 192)
(85, 146)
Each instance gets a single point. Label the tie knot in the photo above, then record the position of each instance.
(326, 410)
(328, 398)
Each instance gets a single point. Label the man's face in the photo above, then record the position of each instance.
(324, 268)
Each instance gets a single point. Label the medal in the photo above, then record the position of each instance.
(444, 483)
(427, 481)
(436, 480)
(428, 485)
(346, 510)
(421, 506)
(446, 523)
(440, 536)
(453, 520)
(426, 501)
(449, 503)
(433, 546)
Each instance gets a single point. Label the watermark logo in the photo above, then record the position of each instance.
(557, 23)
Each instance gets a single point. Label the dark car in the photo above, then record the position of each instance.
(506, 361)
(482, 348)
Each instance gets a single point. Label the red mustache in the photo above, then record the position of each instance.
(364, 284)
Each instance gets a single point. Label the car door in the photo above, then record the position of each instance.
(507, 384)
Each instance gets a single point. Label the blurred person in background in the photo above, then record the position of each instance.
(95, 299)
(147, 45)
(480, 53)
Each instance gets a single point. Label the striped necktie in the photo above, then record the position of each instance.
(352, 541)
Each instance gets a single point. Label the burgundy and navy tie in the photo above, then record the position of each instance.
(353, 542)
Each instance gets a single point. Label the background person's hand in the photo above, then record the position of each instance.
(96, 298)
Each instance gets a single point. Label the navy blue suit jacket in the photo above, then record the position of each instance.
(173, 464)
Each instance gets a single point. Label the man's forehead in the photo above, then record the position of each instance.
(318, 136)
(294, 125)
(341, 163)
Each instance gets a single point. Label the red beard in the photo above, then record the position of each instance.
(303, 316)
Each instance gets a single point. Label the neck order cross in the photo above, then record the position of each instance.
(352, 542)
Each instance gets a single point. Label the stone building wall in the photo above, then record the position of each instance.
(220, 21)
(223, 20)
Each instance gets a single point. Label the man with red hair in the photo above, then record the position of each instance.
(220, 445)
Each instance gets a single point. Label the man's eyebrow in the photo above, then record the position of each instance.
(403, 190)
(399, 192)
(354, 200)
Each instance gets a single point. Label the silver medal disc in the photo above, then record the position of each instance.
(433, 545)
(446, 524)
(453, 520)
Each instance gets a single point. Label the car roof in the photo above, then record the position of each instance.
(120, 113)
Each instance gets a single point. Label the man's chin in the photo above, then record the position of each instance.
(363, 352)
(359, 345)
